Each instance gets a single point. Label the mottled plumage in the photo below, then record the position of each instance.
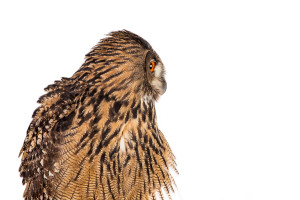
(95, 135)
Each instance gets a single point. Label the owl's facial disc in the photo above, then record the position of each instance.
(158, 81)
(155, 72)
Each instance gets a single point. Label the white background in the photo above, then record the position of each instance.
(232, 109)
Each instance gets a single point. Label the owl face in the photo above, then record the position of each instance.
(125, 66)
(155, 82)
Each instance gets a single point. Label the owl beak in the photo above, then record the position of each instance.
(164, 86)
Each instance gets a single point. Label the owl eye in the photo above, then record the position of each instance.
(152, 66)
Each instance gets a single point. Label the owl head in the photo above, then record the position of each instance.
(125, 65)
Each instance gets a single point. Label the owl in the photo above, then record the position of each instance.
(95, 135)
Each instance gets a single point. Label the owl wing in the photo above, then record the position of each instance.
(38, 151)
(82, 144)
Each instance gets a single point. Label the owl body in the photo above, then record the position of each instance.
(95, 135)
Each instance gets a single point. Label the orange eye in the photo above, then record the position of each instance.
(152, 66)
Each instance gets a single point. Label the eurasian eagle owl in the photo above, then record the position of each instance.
(95, 135)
